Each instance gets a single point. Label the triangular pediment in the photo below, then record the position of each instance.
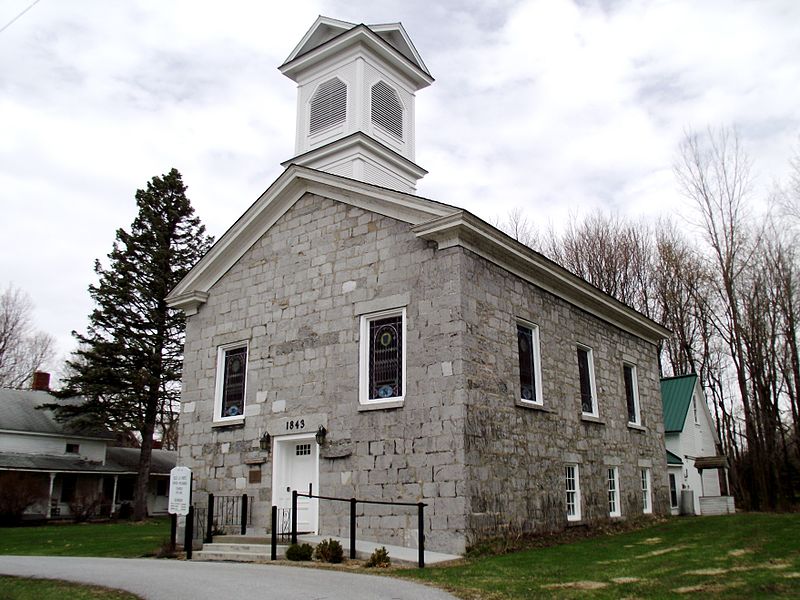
(323, 30)
(326, 29)
(293, 184)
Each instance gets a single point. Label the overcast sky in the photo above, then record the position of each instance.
(557, 107)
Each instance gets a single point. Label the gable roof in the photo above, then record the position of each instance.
(676, 396)
(673, 459)
(326, 34)
(430, 220)
(20, 410)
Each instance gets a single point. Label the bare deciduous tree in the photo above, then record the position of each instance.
(23, 350)
(517, 225)
(609, 252)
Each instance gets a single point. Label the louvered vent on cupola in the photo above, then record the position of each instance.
(328, 105)
(386, 109)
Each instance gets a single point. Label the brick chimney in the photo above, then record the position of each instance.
(41, 381)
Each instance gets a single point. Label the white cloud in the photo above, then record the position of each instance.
(554, 106)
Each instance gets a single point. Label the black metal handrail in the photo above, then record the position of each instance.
(353, 502)
(227, 511)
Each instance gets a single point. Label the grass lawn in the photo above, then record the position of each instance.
(119, 540)
(738, 556)
(22, 588)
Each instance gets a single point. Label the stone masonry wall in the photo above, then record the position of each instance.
(516, 454)
(296, 297)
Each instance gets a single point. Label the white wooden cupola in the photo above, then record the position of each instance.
(355, 101)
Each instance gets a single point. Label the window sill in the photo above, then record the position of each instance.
(592, 419)
(533, 406)
(238, 422)
(636, 427)
(386, 405)
(575, 523)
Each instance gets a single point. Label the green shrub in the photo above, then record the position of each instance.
(299, 552)
(329, 551)
(379, 558)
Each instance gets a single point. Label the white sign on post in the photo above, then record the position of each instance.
(180, 490)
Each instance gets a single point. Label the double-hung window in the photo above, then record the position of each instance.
(530, 371)
(613, 492)
(383, 357)
(231, 382)
(647, 499)
(631, 393)
(586, 378)
(573, 490)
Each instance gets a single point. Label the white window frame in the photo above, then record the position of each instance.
(635, 384)
(592, 387)
(647, 491)
(614, 507)
(576, 477)
(537, 362)
(221, 352)
(363, 367)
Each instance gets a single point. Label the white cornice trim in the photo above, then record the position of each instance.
(360, 141)
(465, 230)
(189, 302)
(441, 223)
(358, 34)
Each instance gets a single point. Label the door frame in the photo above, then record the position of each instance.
(279, 452)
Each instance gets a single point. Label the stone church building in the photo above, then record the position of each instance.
(438, 359)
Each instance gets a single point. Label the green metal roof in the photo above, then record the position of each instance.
(676, 396)
(673, 459)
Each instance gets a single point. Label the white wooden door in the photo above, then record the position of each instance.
(296, 466)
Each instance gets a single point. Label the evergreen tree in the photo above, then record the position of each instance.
(128, 363)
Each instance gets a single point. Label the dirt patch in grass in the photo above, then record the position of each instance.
(663, 551)
(576, 585)
(740, 552)
(713, 572)
(626, 579)
(709, 572)
(651, 541)
(705, 588)
(613, 561)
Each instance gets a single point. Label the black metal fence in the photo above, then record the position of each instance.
(199, 525)
(353, 503)
(227, 514)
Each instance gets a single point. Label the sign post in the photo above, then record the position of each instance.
(180, 502)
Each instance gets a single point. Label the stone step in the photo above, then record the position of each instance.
(252, 547)
(237, 552)
(249, 550)
(242, 539)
